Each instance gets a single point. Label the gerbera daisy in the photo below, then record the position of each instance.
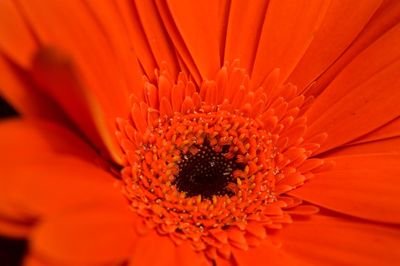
(201, 132)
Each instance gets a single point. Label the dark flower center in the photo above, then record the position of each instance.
(206, 173)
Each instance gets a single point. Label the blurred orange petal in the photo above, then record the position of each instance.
(25, 139)
(16, 40)
(106, 235)
(47, 169)
(18, 87)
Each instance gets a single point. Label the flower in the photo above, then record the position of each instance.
(174, 133)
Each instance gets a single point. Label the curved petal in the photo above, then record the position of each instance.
(365, 186)
(366, 91)
(86, 236)
(287, 32)
(331, 40)
(326, 240)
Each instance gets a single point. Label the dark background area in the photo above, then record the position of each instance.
(6, 110)
(11, 250)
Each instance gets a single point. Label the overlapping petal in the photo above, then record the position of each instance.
(354, 94)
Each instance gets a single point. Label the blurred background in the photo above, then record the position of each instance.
(11, 250)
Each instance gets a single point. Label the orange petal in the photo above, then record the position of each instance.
(15, 39)
(351, 105)
(365, 186)
(331, 40)
(112, 24)
(244, 24)
(61, 80)
(33, 188)
(82, 38)
(87, 235)
(14, 229)
(44, 171)
(385, 146)
(31, 139)
(187, 256)
(198, 24)
(287, 32)
(326, 240)
(146, 246)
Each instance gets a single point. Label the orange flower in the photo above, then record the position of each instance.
(201, 133)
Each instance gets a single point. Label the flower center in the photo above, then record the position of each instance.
(206, 173)
(212, 166)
